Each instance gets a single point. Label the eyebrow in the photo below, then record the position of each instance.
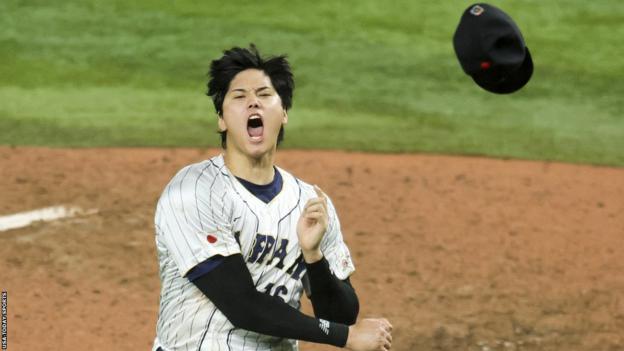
(245, 90)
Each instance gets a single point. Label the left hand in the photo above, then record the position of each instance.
(312, 225)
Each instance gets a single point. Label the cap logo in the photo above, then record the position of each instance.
(476, 10)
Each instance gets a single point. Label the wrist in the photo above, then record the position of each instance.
(348, 345)
(312, 256)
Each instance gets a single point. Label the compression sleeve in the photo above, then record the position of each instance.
(332, 299)
(230, 287)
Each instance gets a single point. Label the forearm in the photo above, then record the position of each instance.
(332, 298)
(269, 315)
(231, 289)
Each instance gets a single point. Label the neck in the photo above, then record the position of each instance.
(255, 170)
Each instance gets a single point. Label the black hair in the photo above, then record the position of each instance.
(236, 60)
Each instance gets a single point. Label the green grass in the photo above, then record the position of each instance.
(370, 75)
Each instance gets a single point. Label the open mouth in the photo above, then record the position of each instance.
(255, 127)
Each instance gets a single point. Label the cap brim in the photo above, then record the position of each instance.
(514, 81)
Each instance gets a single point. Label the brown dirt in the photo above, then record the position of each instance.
(458, 253)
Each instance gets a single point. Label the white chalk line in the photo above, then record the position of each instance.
(47, 214)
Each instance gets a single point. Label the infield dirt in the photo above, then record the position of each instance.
(458, 253)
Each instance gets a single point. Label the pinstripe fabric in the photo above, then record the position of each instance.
(204, 200)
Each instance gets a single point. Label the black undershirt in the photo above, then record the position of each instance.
(264, 192)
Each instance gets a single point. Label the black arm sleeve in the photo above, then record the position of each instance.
(332, 298)
(230, 287)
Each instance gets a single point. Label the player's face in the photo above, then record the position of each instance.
(252, 114)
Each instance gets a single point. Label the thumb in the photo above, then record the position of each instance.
(319, 192)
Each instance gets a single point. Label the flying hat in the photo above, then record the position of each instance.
(491, 50)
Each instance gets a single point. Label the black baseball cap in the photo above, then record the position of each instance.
(491, 49)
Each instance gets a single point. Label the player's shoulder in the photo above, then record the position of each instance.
(209, 173)
(290, 179)
(306, 189)
(209, 169)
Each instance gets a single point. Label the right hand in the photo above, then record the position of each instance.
(370, 335)
(312, 226)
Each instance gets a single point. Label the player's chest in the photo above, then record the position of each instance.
(272, 223)
(269, 227)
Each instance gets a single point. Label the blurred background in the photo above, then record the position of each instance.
(370, 75)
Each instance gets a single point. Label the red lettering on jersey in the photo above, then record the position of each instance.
(211, 238)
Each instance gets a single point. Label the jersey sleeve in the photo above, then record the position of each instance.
(193, 219)
(334, 248)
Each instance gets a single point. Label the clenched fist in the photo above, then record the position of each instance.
(370, 335)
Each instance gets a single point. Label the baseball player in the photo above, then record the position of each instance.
(240, 239)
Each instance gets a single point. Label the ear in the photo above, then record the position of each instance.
(221, 123)
(285, 117)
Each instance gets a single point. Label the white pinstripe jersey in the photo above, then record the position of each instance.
(205, 211)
